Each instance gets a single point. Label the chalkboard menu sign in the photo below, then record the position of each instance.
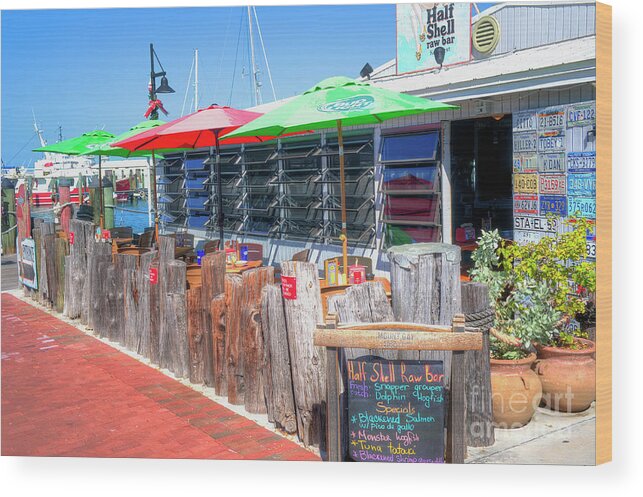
(396, 410)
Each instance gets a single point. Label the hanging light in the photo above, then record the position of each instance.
(164, 87)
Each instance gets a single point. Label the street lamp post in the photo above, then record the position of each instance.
(154, 114)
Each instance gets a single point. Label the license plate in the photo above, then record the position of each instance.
(551, 143)
(525, 142)
(526, 204)
(582, 207)
(526, 183)
(524, 121)
(553, 184)
(525, 163)
(581, 115)
(551, 163)
(582, 185)
(581, 162)
(551, 119)
(554, 204)
(523, 237)
(591, 250)
(537, 223)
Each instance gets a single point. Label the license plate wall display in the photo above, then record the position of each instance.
(526, 163)
(526, 204)
(554, 169)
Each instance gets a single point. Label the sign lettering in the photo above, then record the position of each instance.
(582, 184)
(432, 35)
(552, 184)
(553, 204)
(525, 163)
(551, 163)
(525, 142)
(289, 287)
(581, 115)
(525, 183)
(544, 224)
(581, 162)
(526, 204)
(582, 207)
(396, 410)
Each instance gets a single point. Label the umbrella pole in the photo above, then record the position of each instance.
(342, 186)
(153, 185)
(220, 216)
(149, 194)
(100, 193)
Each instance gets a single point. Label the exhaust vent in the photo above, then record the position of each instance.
(486, 34)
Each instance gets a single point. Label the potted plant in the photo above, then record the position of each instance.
(516, 388)
(538, 290)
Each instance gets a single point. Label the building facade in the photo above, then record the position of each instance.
(520, 147)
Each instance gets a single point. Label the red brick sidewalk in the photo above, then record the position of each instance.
(65, 393)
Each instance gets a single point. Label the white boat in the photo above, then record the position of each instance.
(56, 168)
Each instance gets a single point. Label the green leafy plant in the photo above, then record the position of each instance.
(535, 288)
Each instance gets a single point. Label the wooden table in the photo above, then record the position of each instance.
(240, 269)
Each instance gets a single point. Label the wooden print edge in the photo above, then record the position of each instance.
(604, 233)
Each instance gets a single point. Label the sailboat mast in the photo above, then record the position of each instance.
(196, 79)
(255, 79)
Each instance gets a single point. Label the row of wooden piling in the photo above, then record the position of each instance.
(237, 333)
(233, 332)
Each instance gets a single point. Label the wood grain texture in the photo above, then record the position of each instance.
(425, 288)
(364, 303)
(143, 345)
(233, 337)
(213, 284)
(217, 319)
(155, 312)
(277, 371)
(253, 282)
(477, 364)
(398, 340)
(308, 361)
(196, 335)
(604, 233)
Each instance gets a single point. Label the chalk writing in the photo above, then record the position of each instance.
(396, 410)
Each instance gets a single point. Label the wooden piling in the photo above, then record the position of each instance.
(252, 342)
(212, 284)
(219, 364)
(173, 340)
(143, 345)
(278, 381)
(308, 362)
(196, 335)
(233, 337)
(479, 419)
(425, 287)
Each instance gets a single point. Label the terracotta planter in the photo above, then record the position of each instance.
(568, 376)
(193, 275)
(515, 392)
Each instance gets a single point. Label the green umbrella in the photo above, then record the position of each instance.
(78, 145)
(84, 144)
(337, 102)
(107, 149)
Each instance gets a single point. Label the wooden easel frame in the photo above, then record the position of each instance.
(407, 336)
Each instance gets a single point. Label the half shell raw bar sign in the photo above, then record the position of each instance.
(396, 410)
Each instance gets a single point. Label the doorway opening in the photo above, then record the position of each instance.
(481, 180)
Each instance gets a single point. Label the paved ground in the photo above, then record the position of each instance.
(65, 393)
(9, 272)
(549, 438)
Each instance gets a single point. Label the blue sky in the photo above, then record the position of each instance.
(88, 69)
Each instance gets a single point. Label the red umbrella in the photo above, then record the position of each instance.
(203, 128)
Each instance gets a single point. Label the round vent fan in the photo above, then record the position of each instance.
(486, 34)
